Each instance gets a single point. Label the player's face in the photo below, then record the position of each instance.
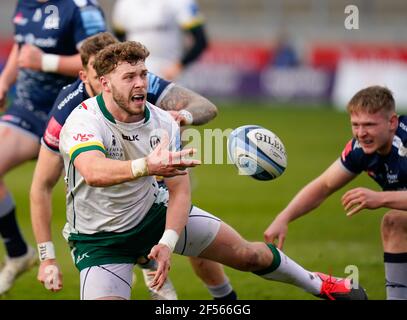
(92, 80)
(374, 132)
(129, 87)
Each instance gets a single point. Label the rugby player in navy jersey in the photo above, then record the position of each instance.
(43, 59)
(186, 106)
(379, 147)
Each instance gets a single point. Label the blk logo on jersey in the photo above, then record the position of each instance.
(131, 138)
(82, 137)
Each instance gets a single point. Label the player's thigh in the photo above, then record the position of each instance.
(17, 146)
(199, 232)
(106, 281)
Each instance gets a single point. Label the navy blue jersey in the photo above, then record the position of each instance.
(389, 171)
(56, 27)
(74, 94)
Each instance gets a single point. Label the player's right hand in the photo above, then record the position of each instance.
(30, 57)
(50, 275)
(276, 230)
(162, 162)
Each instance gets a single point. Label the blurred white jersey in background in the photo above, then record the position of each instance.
(159, 25)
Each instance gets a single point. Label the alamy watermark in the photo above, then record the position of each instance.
(211, 147)
(352, 20)
(353, 276)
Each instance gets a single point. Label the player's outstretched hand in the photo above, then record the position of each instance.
(162, 162)
(162, 254)
(360, 198)
(50, 275)
(276, 230)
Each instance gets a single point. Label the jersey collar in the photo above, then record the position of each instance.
(109, 116)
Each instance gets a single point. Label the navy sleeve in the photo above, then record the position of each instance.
(352, 157)
(88, 20)
(402, 130)
(68, 99)
(156, 87)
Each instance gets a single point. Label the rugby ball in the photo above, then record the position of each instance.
(257, 152)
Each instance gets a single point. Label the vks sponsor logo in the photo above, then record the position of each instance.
(131, 138)
(82, 137)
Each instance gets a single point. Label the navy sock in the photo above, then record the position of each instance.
(10, 232)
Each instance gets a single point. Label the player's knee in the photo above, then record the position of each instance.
(250, 259)
(394, 223)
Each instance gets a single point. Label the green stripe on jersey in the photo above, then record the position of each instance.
(84, 149)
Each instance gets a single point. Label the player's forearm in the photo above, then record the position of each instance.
(9, 74)
(47, 172)
(202, 111)
(179, 203)
(179, 98)
(41, 213)
(69, 65)
(309, 198)
(104, 172)
(394, 199)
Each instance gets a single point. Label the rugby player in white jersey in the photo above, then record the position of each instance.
(168, 96)
(117, 215)
(163, 27)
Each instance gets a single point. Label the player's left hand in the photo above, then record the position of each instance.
(172, 72)
(162, 254)
(30, 57)
(179, 118)
(360, 198)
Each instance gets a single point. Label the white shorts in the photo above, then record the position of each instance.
(114, 280)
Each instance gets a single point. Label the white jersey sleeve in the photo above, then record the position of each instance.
(120, 15)
(187, 13)
(80, 133)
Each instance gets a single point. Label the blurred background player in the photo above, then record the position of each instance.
(172, 30)
(44, 58)
(165, 95)
(379, 148)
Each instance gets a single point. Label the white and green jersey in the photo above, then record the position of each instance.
(92, 127)
(159, 25)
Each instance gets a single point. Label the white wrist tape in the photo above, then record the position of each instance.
(139, 168)
(49, 62)
(169, 238)
(46, 250)
(189, 119)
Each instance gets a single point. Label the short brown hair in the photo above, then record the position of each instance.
(110, 57)
(92, 45)
(371, 100)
